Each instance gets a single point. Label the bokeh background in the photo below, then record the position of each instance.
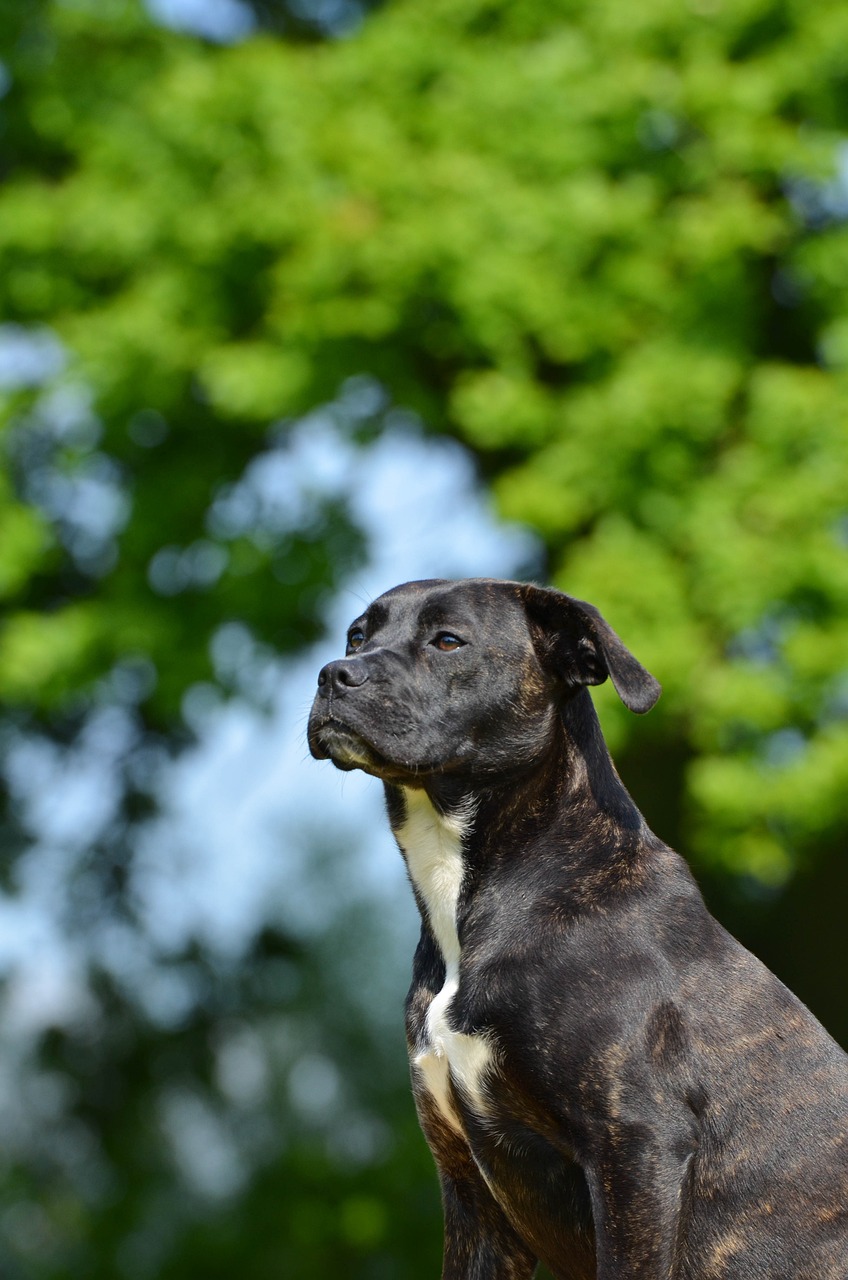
(298, 301)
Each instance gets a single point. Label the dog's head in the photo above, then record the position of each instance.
(464, 677)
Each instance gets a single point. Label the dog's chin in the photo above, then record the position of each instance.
(346, 749)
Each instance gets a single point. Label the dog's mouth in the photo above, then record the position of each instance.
(332, 740)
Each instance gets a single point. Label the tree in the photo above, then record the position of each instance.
(602, 245)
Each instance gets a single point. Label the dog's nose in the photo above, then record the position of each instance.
(344, 673)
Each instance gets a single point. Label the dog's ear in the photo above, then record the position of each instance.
(579, 646)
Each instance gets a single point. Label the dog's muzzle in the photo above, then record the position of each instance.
(330, 737)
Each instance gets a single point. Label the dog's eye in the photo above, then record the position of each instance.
(447, 641)
(355, 638)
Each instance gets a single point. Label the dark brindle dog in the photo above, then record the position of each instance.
(608, 1081)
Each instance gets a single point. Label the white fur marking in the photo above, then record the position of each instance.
(432, 845)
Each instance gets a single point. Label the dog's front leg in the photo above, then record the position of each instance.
(640, 1187)
(480, 1242)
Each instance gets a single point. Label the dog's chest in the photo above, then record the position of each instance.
(447, 1060)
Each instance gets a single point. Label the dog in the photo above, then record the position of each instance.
(608, 1081)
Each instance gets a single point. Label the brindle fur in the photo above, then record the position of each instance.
(660, 1106)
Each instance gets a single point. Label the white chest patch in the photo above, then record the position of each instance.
(432, 845)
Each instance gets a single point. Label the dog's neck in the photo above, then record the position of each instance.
(574, 788)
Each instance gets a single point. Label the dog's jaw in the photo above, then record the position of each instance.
(346, 749)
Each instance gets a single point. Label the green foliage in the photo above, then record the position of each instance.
(564, 236)
(604, 244)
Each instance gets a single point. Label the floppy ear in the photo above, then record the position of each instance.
(577, 645)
